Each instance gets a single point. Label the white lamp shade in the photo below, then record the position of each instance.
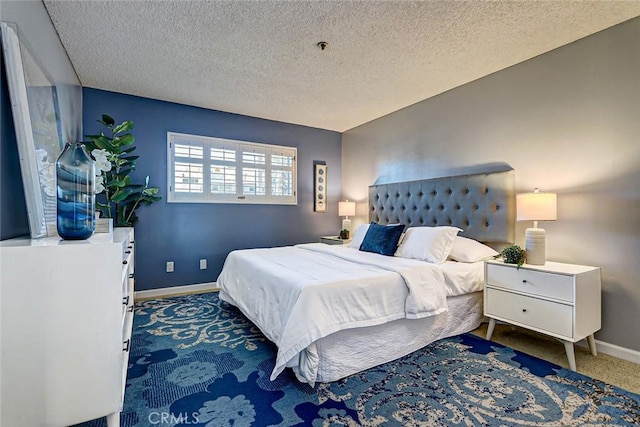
(536, 207)
(346, 208)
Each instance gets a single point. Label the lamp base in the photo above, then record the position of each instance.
(346, 224)
(534, 244)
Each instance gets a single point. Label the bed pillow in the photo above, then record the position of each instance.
(382, 239)
(431, 244)
(358, 236)
(469, 250)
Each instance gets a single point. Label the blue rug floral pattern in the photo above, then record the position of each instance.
(197, 361)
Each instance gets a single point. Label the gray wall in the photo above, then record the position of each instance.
(568, 122)
(36, 30)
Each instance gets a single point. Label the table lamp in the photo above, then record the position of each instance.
(346, 209)
(536, 207)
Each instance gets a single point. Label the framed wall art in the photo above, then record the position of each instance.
(47, 113)
(320, 187)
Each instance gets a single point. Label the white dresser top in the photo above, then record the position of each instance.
(119, 235)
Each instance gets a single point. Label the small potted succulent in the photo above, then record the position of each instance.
(344, 234)
(514, 254)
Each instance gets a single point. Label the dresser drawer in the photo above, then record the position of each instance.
(546, 285)
(548, 316)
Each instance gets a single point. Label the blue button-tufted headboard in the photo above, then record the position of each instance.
(482, 205)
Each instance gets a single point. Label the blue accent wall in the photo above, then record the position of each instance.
(187, 232)
(13, 209)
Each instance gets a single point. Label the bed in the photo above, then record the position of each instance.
(334, 310)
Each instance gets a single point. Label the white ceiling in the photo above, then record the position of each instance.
(260, 58)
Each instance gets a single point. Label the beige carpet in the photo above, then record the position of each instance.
(602, 367)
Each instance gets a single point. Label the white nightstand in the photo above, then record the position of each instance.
(560, 300)
(334, 240)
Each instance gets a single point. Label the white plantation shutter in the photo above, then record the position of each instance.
(254, 169)
(188, 168)
(215, 170)
(223, 170)
(283, 183)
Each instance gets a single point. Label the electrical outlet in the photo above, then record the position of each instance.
(203, 264)
(169, 266)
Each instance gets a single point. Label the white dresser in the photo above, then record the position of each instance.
(67, 316)
(560, 300)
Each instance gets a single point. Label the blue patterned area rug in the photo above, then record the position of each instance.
(198, 361)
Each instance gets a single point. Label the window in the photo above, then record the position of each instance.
(215, 170)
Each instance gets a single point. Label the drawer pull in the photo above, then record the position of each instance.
(524, 310)
(132, 242)
(524, 281)
(127, 252)
(125, 300)
(129, 247)
(131, 276)
(126, 345)
(130, 310)
(125, 262)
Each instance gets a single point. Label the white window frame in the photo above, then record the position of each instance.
(239, 147)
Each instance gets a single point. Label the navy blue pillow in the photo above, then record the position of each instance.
(382, 239)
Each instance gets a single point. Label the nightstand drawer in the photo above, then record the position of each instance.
(547, 285)
(531, 312)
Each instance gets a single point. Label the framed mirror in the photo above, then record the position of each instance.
(47, 112)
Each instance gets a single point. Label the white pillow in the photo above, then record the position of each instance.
(358, 236)
(431, 244)
(469, 250)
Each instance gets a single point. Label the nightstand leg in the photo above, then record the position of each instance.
(492, 325)
(568, 348)
(113, 420)
(592, 345)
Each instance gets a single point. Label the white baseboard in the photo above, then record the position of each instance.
(175, 290)
(614, 350)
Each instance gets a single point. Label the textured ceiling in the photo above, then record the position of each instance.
(260, 58)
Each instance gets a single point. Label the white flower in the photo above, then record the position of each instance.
(99, 184)
(102, 165)
(102, 161)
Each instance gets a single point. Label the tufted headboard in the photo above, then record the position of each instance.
(482, 205)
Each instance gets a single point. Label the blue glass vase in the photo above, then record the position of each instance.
(76, 204)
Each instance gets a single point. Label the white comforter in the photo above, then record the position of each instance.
(299, 294)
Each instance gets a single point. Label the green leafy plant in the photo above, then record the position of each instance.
(114, 164)
(344, 234)
(514, 254)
